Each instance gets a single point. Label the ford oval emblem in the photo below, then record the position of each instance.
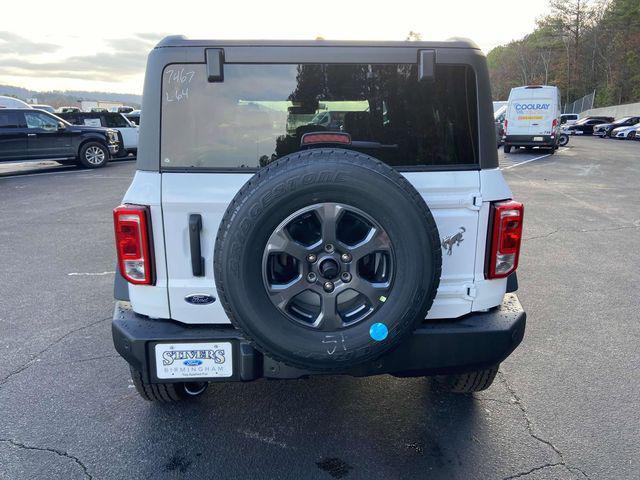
(192, 363)
(199, 299)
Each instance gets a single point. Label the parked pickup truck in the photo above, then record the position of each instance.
(256, 242)
(27, 134)
(117, 121)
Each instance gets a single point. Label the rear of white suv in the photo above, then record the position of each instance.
(256, 242)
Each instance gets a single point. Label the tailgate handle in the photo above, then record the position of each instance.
(197, 262)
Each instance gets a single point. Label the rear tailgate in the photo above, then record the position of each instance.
(453, 197)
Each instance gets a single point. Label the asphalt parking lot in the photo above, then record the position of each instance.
(565, 404)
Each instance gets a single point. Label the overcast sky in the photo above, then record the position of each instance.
(88, 45)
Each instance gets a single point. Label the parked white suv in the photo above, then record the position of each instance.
(256, 243)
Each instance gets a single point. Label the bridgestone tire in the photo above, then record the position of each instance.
(165, 392)
(307, 178)
(468, 382)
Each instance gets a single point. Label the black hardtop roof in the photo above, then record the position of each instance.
(182, 41)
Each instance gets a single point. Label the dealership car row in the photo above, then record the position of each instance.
(67, 135)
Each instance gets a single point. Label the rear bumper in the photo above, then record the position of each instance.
(528, 141)
(473, 342)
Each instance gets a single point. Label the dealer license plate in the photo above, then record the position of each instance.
(537, 139)
(194, 360)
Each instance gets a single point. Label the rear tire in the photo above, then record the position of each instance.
(468, 382)
(563, 140)
(166, 392)
(93, 155)
(507, 148)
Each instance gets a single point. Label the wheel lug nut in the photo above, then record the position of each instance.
(345, 257)
(328, 248)
(311, 258)
(328, 286)
(346, 277)
(311, 277)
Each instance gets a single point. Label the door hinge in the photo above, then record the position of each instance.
(475, 201)
(470, 293)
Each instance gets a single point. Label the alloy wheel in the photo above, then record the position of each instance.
(328, 266)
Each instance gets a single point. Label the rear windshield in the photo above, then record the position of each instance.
(259, 113)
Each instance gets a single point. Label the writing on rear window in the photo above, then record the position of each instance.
(261, 113)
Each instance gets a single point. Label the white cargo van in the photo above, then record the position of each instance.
(533, 118)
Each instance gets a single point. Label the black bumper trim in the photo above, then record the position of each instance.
(120, 286)
(527, 141)
(473, 342)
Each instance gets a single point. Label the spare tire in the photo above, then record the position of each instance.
(326, 259)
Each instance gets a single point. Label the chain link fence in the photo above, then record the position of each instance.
(581, 104)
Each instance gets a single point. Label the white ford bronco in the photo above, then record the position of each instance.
(309, 208)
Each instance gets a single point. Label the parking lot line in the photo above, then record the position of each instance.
(533, 159)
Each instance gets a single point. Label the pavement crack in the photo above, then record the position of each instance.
(88, 359)
(581, 230)
(34, 357)
(530, 429)
(532, 470)
(495, 400)
(60, 453)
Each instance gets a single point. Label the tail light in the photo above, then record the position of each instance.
(554, 124)
(506, 122)
(131, 223)
(506, 235)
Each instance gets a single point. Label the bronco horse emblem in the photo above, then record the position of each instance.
(451, 240)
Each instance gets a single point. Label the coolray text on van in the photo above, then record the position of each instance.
(337, 204)
(532, 118)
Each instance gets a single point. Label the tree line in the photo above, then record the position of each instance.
(580, 46)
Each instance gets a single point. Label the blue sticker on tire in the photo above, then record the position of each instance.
(378, 331)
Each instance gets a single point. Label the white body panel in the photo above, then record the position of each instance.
(152, 301)
(531, 110)
(456, 199)
(129, 137)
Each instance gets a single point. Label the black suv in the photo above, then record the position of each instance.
(28, 134)
(585, 126)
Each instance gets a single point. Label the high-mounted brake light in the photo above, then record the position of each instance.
(131, 224)
(325, 137)
(506, 235)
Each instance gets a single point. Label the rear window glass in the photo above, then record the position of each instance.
(115, 120)
(260, 113)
